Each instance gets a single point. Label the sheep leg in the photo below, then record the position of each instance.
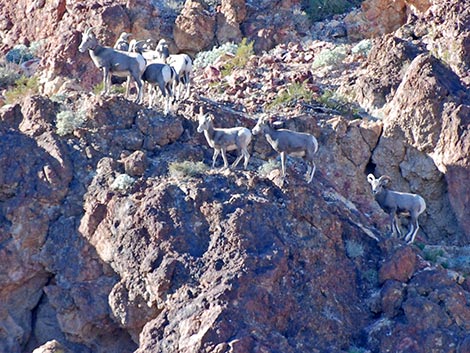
(394, 224)
(187, 84)
(167, 105)
(162, 87)
(170, 95)
(139, 85)
(312, 172)
(247, 157)
(240, 156)
(410, 237)
(106, 79)
(224, 156)
(214, 157)
(152, 92)
(283, 163)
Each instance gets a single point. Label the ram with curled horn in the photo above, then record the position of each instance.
(396, 204)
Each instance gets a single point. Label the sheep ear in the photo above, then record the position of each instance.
(370, 178)
(201, 110)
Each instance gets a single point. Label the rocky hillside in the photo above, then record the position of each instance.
(116, 236)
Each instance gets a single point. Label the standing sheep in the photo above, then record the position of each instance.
(397, 203)
(287, 142)
(223, 140)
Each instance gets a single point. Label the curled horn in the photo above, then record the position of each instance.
(385, 179)
(370, 178)
(201, 110)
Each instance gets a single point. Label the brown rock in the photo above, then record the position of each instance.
(392, 295)
(400, 266)
(136, 163)
(10, 115)
(376, 17)
(194, 27)
(232, 13)
(376, 83)
(422, 126)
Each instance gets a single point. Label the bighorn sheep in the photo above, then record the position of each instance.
(162, 50)
(397, 203)
(287, 142)
(163, 76)
(223, 140)
(122, 43)
(143, 47)
(114, 62)
(183, 65)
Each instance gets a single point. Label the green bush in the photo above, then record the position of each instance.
(68, 121)
(123, 183)
(363, 47)
(242, 55)
(23, 86)
(20, 53)
(207, 58)
(266, 168)
(354, 249)
(330, 57)
(113, 89)
(186, 169)
(294, 93)
(8, 76)
(319, 10)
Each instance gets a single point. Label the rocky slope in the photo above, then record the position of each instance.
(106, 247)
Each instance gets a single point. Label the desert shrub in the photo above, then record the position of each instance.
(340, 103)
(186, 169)
(433, 254)
(113, 89)
(8, 76)
(318, 10)
(123, 183)
(68, 121)
(295, 92)
(21, 53)
(207, 58)
(363, 47)
(242, 55)
(371, 277)
(354, 249)
(266, 168)
(330, 57)
(23, 86)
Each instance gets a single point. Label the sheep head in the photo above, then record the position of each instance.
(259, 127)
(88, 40)
(205, 121)
(378, 184)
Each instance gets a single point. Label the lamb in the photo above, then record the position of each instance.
(114, 62)
(397, 203)
(162, 50)
(223, 140)
(287, 142)
(163, 76)
(183, 65)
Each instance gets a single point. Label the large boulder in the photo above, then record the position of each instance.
(425, 142)
(194, 27)
(232, 13)
(375, 18)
